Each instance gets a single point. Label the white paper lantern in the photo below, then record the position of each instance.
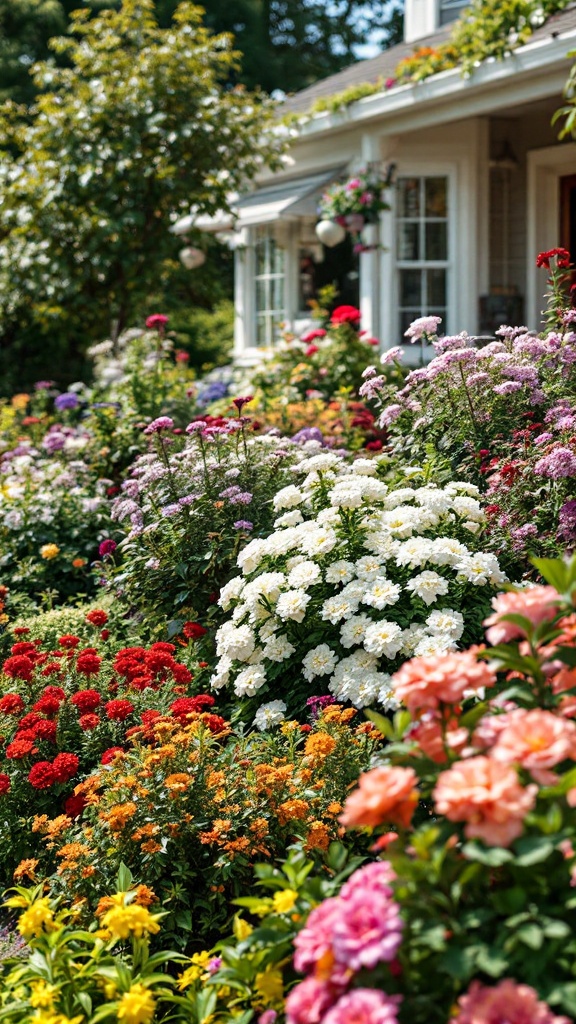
(330, 233)
(192, 258)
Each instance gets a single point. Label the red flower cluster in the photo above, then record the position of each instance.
(44, 774)
(97, 617)
(86, 700)
(193, 630)
(118, 710)
(142, 668)
(185, 706)
(346, 315)
(562, 258)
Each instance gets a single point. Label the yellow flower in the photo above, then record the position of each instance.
(269, 986)
(284, 900)
(38, 916)
(136, 1006)
(49, 551)
(122, 922)
(20, 401)
(241, 929)
(42, 994)
(56, 1018)
(199, 962)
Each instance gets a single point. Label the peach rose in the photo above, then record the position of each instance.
(563, 680)
(537, 740)
(426, 682)
(535, 603)
(487, 796)
(383, 795)
(427, 733)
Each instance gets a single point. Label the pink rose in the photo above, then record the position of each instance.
(487, 796)
(368, 930)
(505, 1003)
(315, 939)
(375, 876)
(364, 1006)
(307, 1002)
(440, 678)
(538, 604)
(383, 795)
(537, 741)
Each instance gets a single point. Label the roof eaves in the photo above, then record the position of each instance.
(544, 55)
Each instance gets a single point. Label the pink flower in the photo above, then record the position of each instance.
(307, 1002)
(433, 743)
(423, 327)
(384, 794)
(376, 876)
(505, 1003)
(157, 322)
(487, 796)
(368, 930)
(315, 939)
(538, 604)
(364, 1006)
(311, 350)
(318, 332)
(440, 678)
(537, 740)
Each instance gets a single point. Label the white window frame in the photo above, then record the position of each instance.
(271, 316)
(453, 8)
(423, 264)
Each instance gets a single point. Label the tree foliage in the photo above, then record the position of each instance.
(132, 133)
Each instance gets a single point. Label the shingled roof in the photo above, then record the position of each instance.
(384, 65)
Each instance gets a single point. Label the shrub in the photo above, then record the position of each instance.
(191, 505)
(473, 903)
(356, 577)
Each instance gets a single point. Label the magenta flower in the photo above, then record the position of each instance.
(364, 1006)
(157, 322)
(315, 939)
(161, 423)
(368, 929)
(107, 547)
(308, 1002)
(241, 402)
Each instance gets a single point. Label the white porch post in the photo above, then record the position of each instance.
(370, 261)
(244, 325)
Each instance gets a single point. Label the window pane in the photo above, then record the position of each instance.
(436, 197)
(260, 329)
(436, 241)
(408, 241)
(262, 295)
(436, 287)
(276, 259)
(261, 257)
(277, 293)
(410, 287)
(409, 197)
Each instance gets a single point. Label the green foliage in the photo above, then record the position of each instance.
(207, 335)
(136, 129)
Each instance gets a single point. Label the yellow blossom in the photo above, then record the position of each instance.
(241, 929)
(49, 551)
(136, 1006)
(284, 900)
(20, 401)
(42, 994)
(122, 922)
(269, 986)
(38, 917)
(197, 970)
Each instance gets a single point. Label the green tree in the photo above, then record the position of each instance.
(132, 134)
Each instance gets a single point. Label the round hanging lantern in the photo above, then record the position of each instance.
(192, 258)
(330, 233)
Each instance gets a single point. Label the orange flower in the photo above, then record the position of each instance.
(319, 745)
(292, 809)
(78, 563)
(145, 896)
(26, 869)
(384, 795)
(424, 683)
(119, 815)
(318, 837)
(487, 796)
(151, 846)
(177, 783)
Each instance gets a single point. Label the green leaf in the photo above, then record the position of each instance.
(492, 961)
(124, 878)
(492, 856)
(531, 935)
(532, 850)
(554, 571)
(384, 725)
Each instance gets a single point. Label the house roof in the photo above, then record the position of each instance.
(384, 65)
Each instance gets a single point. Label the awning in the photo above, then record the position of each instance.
(296, 198)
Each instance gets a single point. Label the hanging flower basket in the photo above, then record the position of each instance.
(354, 204)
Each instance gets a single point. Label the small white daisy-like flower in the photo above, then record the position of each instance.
(288, 497)
(289, 519)
(269, 714)
(428, 586)
(447, 622)
(292, 605)
(318, 541)
(230, 591)
(337, 608)
(368, 567)
(382, 593)
(304, 575)
(278, 648)
(364, 467)
(436, 644)
(249, 681)
(383, 638)
(320, 661)
(353, 631)
(340, 572)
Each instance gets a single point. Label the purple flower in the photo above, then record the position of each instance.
(561, 462)
(161, 423)
(477, 378)
(371, 387)
(107, 547)
(54, 441)
(566, 422)
(308, 434)
(243, 498)
(391, 355)
(567, 521)
(523, 534)
(243, 524)
(544, 438)
(391, 413)
(317, 704)
(188, 499)
(68, 400)
(507, 388)
(214, 964)
(422, 327)
(172, 509)
(196, 427)
(230, 492)
(368, 931)
(44, 385)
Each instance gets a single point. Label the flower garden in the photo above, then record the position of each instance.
(288, 682)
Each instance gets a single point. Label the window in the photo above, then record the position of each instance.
(422, 248)
(450, 10)
(270, 287)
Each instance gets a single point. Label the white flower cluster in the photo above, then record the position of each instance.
(354, 575)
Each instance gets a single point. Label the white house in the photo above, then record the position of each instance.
(482, 184)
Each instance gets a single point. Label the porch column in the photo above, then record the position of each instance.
(370, 261)
(244, 325)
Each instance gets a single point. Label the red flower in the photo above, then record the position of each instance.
(193, 630)
(86, 700)
(181, 674)
(374, 446)
(110, 754)
(19, 667)
(55, 691)
(149, 717)
(47, 706)
(53, 668)
(88, 663)
(214, 723)
(182, 707)
(74, 806)
(311, 350)
(202, 701)
(41, 775)
(97, 617)
(345, 315)
(107, 547)
(240, 402)
(11, 704)
(318, 332)
(4, 783)
(29, 721)
(24, 647)
(20, 748)
(563, 258)
(104, 634)
(68, 641)
(65, 766)
(88, 722)
(46, 730)
(163, 647)
(157, 661)
(21, 630)
(118, 710)
(142, 682)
